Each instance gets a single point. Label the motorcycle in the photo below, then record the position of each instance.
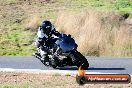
(62, 52)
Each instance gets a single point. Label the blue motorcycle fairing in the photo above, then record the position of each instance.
(66, 43)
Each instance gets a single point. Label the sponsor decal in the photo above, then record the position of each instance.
(83, 78)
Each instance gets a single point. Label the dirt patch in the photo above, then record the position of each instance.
(42, 80)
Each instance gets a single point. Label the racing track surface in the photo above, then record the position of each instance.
(97, 65)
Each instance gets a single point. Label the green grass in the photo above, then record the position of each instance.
(16, 40)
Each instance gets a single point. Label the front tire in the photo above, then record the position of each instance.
(79, 60)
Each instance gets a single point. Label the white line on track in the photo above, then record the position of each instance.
(37, 71)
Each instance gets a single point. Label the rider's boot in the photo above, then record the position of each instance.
(45, 59)
(36, 54)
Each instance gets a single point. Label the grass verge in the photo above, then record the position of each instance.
(20, 19)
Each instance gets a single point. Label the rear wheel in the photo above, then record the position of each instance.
(55, 62)
(54, 65)
(67, 61)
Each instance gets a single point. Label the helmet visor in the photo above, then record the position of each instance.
(47, 29)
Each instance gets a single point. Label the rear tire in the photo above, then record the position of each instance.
(54, 66)
(55, 62)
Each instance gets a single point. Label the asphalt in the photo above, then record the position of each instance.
(97, 64)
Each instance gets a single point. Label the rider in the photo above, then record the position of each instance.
(45, 32)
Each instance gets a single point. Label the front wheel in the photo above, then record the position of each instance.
(79, 60)
(84, 65)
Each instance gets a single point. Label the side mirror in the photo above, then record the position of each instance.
(69, 35)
